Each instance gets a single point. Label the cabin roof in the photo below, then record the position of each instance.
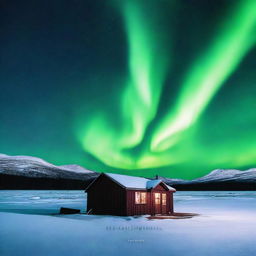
(136, 182)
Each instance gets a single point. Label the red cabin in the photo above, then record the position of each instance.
(123, 195)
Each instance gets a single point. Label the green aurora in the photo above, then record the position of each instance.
(173, 141)
(140, 87)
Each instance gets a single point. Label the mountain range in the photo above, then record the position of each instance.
(27, 172)
(219, 179)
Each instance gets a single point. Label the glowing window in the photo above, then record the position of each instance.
(163, 199)
(157, 198)
(140, 198)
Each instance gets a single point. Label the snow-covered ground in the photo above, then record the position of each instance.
(30, 225)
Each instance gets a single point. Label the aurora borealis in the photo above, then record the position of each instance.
(140, 87)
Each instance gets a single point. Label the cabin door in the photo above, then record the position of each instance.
(163, 201)
(157, 203)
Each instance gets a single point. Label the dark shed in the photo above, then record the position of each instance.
(124, 195)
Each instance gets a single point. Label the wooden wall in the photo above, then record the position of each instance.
(106, 197)
(149, 207)
(138, 209)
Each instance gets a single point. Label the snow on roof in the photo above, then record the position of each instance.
(170, 188)
(152, 183)
(136, 182)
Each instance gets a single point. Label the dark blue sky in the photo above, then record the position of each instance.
(60, 60)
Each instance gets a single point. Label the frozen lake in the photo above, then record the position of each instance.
(30, 225)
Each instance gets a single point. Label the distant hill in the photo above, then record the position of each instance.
(26, 172)
(220, 179)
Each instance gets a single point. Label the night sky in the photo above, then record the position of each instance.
(140, 87)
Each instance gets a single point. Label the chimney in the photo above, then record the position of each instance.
(157, 177)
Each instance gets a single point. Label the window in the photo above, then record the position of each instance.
(140, 198)
(163, 199)
(157, 198)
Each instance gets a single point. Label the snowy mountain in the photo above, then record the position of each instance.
(18, 170)
(219, 179)
(26, 172)
(229, 175)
